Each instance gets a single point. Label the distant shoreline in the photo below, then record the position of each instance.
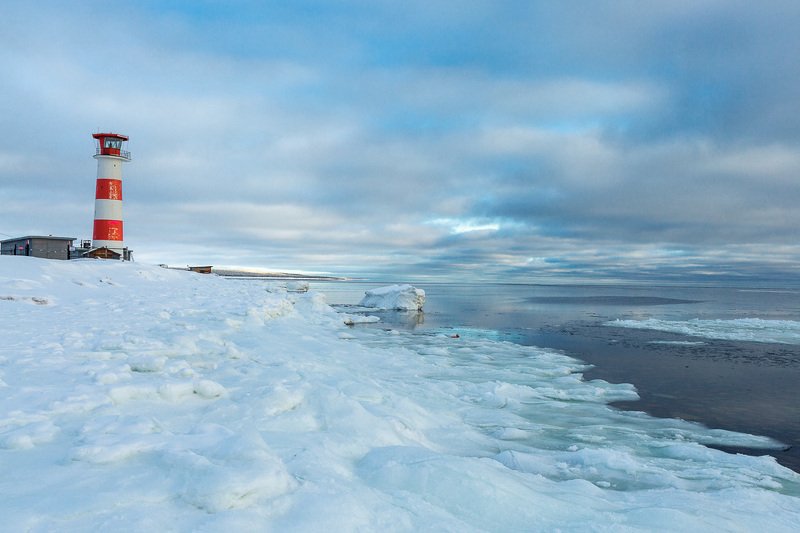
(228, 273)
(233, 273)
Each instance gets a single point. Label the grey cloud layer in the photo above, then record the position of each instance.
(582, 139)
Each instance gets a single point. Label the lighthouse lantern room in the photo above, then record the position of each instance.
(107, 238)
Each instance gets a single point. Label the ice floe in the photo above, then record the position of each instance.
(740, 329)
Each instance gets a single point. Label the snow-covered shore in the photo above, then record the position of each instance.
(139, 398)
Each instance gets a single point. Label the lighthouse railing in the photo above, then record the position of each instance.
(124, 154)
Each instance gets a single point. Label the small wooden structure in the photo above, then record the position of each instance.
(201, 269)
(102, 253)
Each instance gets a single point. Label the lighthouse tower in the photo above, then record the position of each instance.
(108, 197)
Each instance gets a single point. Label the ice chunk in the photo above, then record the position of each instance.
(402, 297)
(297, 286)
(29, 435)
(238, 472)
(208, 389)
(351, 320)
(148, 364)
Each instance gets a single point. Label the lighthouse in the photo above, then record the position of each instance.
(107, 240)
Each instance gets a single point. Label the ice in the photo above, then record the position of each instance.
(678, 343)
(237, 472)
(297, 286)
(206, 388)
(740, 329)
(351, 320)
(401, 297)
(162, 400)
(147, 363)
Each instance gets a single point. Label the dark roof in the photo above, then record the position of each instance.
(49, 237)
(115, 135)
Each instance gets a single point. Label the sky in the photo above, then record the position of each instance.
(530, 141)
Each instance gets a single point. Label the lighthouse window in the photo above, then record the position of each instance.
(113, 143)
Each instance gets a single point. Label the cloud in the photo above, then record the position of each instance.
(542, 139)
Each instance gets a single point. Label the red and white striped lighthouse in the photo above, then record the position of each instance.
(108, 197)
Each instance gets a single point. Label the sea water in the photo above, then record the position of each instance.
(727, 357)
(515, 308)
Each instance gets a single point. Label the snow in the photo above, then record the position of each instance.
(400, 297)
(139, 398)
(740, 329)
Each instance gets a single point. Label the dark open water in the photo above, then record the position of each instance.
(729, 384)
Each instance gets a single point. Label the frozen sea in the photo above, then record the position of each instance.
(137, 398)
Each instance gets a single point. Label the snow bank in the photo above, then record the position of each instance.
(141, 398)
(401, 297)
(740, 329)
